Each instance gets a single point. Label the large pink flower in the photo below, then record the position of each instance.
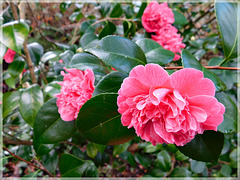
(168, 109)
(77, 87)
(156, 16)
(9, 56)
(169, 39)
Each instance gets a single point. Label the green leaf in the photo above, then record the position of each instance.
(189, 61)
(86, 26)
(180, 156)
(49, 128)
(100, 122)
(164, 161)
(204, 147)
(180, 19)
(108, 29)
(229, 124)
(197, 167)
(71, 166)
(110, 83)
(16, 67)
(143, 160)
(9, 80)
(117, 11)
(227, 14)
(91, 150)
(119, 52)
(41, 149)
(154, 52)
(66, 56)
(157, 173)
(87, 38)
(181, 172)
(76, 16)
(129, 28)
(52, 88)
(151, 149)
(50, 56)
(14, 34)
(226, 170)
(141, 10)
(10, 102)
(105, 8)
(30, 102)
(234, 158)
(36, 52)
(84, 61)
(118, 149)
(50, 161)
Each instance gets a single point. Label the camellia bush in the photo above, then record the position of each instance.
(132, 90)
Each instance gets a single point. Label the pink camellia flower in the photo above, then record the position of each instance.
(77, 87)
(169, 39)
(60, 61)
(166, 108)
(9, 56)
(156, 16)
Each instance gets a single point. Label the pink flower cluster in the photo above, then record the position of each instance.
(9, 56)
(77, 87)
(168, 109)
(158, 18)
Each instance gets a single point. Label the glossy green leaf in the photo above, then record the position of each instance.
(181, 172)
(9, 80)
(14, 34)
(50, 161)
(66, 56)
(52, 88)
(141, 10)
(151, 149)
(71, 166)
(204, 147)
(116, 11)
(91, 150)
(180, 19)
(118, 149)
(86, 26)
(226, 170)
(234, 158)
(229, 124)
(227, 14)
(84, 61)
(10, 102)
(108, 29)
(180, 156)
(197, 166)
(164, 161)
(110, 83)
(119, 52)
(100, 122)
(16, 67)
(36, 52)
(42, 149)
(143, 160)
(154, 52)
(87, 38)
(189, 61)
(157, 173)
(49, 128)
(50, 56)
(30, 102)
(76, 16)
(129, 28)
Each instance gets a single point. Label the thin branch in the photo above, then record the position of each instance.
(28, 58)
(208, 67)
(224, 162)
(21, 159)
(172, 167)
(112, 19)
(16, 142)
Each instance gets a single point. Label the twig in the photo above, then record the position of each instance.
(21, 159)
(16, 142)
(112, 19)
(39, 29)
(208, 67)
(224, 162)
(172, 167)
(28, 58)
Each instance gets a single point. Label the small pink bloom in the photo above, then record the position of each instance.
(0, 102)
(156, 16)
(169, 39)
(77, 87)
(168, 109)
(24, 70)
(9, 56)
(114, 69)
(60, 61)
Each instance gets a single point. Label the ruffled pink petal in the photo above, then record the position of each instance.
(9, 56)
(191, 82)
